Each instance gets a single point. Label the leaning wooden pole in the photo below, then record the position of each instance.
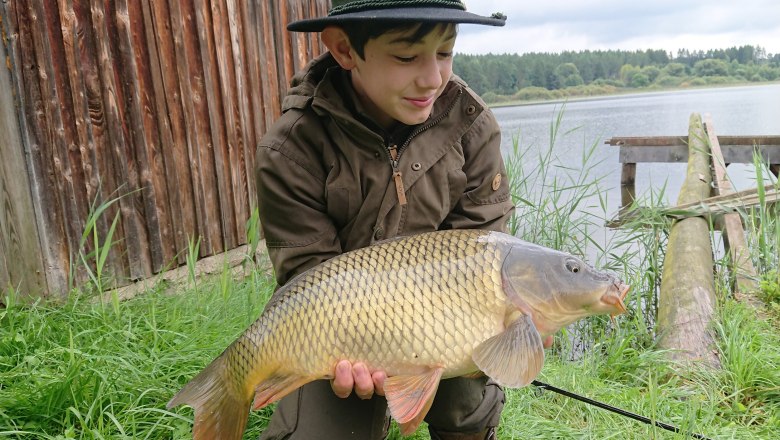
(687, 300)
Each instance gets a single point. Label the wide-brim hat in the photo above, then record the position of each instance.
(421, 11)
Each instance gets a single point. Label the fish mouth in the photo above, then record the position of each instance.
(615, 296)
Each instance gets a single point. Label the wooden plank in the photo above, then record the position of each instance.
(195, 110)
(272, 85)
(141, 122)
(679, 154)
(99, 182)
(228, 163)
(669, 141)
(254, 93)
(687, 298)
(48, 214)
(244, 169)
(671, 149)
(743, 273)
(172, 127)
(215, 183)
(21, 256)
(99, 140)
(121, 156)
(60, 141)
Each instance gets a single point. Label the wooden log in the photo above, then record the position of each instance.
(744, 276)
(687, 299)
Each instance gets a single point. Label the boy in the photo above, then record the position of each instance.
(378, 139)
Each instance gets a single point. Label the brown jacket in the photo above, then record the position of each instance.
(327, 182)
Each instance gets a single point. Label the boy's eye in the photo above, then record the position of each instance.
(405, 59)
(445, 54)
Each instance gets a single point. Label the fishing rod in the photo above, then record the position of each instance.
(622, 412)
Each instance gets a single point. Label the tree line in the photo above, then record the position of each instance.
(507, 77)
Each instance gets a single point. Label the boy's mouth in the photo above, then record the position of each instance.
(421, 102)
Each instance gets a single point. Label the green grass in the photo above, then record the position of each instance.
(88, 369)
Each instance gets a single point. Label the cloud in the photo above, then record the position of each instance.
(612, 24)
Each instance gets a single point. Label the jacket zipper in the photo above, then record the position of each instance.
(394, 153)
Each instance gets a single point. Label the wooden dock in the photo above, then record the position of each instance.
(687, 297)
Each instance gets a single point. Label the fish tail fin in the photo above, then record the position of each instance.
(219, 412)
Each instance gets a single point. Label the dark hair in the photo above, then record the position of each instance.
(359, 33)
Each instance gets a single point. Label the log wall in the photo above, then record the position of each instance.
(156, 103)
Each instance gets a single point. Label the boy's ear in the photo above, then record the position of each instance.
(337, 42)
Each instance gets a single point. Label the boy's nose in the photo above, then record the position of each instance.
(430, 76)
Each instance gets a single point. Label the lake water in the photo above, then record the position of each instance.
(744, 110)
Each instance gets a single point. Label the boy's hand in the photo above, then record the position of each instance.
(348, 377)
(356, 377)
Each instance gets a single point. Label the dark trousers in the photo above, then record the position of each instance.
(313, 412)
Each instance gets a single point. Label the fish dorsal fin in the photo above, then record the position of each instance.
(513, 357)
(410, 397)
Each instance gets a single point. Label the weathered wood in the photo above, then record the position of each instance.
(229, 168)
(627, 184)
(160, 104)
(172, 126)
(46, 203)
(710, 208)
(687, 298)
(215, 182)
(743, 273)
(670, 141)
(20, 251)
(672, 149)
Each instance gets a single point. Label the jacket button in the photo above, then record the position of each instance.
(496, 182)
(471, 109)
(379, 233)
(416, 166)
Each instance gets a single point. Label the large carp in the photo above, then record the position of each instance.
(421, 308)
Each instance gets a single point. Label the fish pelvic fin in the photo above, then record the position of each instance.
(219, 413)
(276, 387)
(513, 357)
(410, 397)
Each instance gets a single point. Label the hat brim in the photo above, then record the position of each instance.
(419, 15)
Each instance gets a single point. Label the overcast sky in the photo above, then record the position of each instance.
(559, 25)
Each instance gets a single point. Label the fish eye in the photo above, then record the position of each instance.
(572, 266)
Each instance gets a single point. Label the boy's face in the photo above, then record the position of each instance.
(400, 78)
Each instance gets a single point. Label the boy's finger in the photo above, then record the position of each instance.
(379, 382)
(364, 385)
(343, 381)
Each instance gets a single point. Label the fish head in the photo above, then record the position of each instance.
(557, 288)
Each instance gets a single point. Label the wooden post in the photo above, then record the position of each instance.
(687, 300)
(743, 272)
(627, 185)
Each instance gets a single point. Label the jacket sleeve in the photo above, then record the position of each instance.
(292, 210)
(486, 201)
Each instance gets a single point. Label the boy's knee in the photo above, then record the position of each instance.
(465, 406)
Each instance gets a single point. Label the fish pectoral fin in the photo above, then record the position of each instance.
(410, 397)
(276, 387)
(513, 357)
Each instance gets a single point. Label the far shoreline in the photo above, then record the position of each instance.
(628, 93)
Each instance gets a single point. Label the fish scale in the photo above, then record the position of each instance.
(420, 308)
